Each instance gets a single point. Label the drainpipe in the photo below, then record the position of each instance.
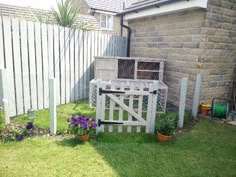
(128, 37)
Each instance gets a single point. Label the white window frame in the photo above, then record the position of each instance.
(107, 21)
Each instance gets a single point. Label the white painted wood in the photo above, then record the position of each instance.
(72, 65)
(50, 52)
(85, 63)
(45, 65)
(4, 95)
(183, 94)
(62, 65)
(130, 106)
(98, 105)
(25, 66)
(32, 59)
(17, 66)
(39, 71)
(103, 107)
(154, 107)
(52, 105)
(128, 109)
(149, 109)
(76, 88)
(121, 109)
(81, 64)
(140, 107)
(2, 62)
(92, 54)
(167, 8)
(99, 43)
(196, 96)
(111, 110)
(88, 66)
(67, 64)
(57, 61)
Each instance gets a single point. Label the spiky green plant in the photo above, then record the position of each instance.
(65, 13)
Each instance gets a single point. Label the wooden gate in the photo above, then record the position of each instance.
(126, 105)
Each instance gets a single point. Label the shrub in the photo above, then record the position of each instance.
(167, 123)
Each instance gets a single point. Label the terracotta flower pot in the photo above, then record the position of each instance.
(204, 110)
(83, 137)
(161, 137)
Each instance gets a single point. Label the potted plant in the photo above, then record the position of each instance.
(165, 127)
(81, 126)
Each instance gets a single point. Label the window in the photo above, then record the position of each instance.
(106, 21)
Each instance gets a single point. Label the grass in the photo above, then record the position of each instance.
(63, 113)
(207, 150)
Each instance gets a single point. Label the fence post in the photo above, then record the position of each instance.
(154, 106)
(98, 104)
(52, 106)
(183, 93)
(4, 95)
(196, 95)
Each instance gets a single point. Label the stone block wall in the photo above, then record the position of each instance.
(219, 56)
(193, 41)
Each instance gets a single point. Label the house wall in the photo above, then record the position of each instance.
(193, 41)
(84, 10)
(174, 37)
(116, 24)
(219, 44)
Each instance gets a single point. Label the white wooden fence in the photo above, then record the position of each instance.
(122, 103)
(32, 53)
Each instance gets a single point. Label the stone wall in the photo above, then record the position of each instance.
(193, 41)
(219, 44)
(174, 37)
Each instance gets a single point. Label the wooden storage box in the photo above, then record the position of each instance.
(109, 68)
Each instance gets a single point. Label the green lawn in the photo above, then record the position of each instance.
(209, 149)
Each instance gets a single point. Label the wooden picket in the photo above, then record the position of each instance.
(34, 52)
(127, 98)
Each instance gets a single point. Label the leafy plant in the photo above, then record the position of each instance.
(65, 14)
(81, 125)
(166, 124)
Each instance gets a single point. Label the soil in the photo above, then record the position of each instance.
(188, 125)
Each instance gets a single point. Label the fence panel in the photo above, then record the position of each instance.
(9, 66)
(34, 52)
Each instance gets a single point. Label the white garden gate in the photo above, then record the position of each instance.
(126, 105)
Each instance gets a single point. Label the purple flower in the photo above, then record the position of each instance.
(94, 124)
(19, 137)
(84, 125)
(29, 125)
(74, 120)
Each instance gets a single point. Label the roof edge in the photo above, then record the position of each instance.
(154, 4)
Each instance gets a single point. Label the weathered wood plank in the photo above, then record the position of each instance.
(25, 66)
(9, 68)
(57, 62)
(17, 67)
(111, 110)
(72, 65)
(45, 76)
(121, 109)
(76, 87)
(81, 63)
(32, 59)
(62, 66)
(67, 64)
(39, 71)
(140, 107)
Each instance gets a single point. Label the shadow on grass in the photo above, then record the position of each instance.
(69, 142)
